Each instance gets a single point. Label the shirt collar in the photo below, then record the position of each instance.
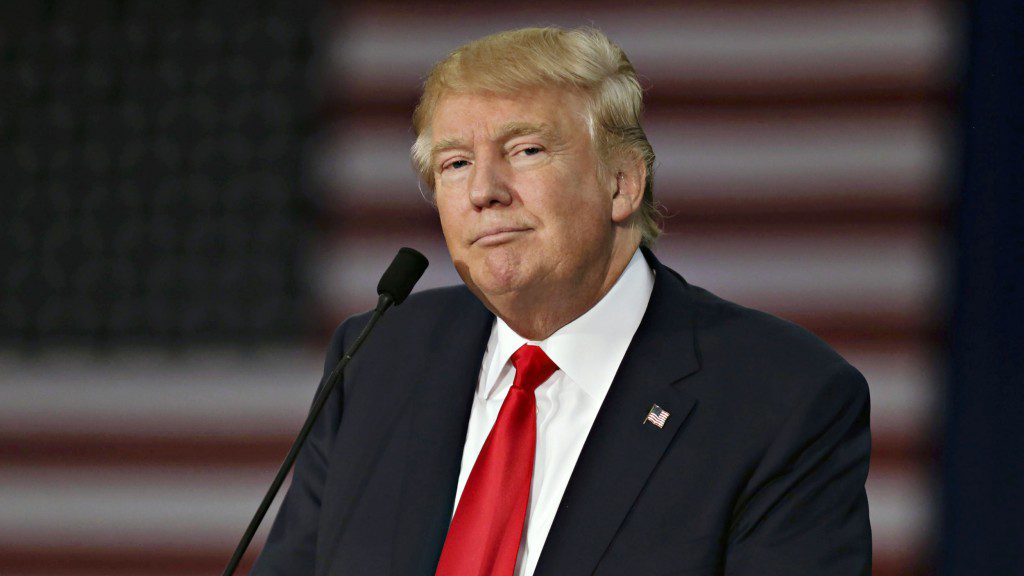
(590, 348)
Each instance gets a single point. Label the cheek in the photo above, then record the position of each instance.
(559, 191)
(451, 224)
(578, 207)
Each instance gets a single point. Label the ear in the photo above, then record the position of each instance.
(629, 190)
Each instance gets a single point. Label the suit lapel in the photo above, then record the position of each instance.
(442, 403)
(621, 450)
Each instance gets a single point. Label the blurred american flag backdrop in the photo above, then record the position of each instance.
(195, 195)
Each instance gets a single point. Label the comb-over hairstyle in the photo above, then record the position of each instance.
(582, 60)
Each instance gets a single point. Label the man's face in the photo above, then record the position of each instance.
(523, 205)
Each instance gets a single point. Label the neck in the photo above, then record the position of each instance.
(541, 313)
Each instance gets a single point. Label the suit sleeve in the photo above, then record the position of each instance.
(805, 511)
(290, 549)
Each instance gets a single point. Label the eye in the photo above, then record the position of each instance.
(527, 151)
(456, 164)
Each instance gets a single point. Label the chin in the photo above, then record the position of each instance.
(500, 272)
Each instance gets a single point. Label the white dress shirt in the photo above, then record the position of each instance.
(588, 352)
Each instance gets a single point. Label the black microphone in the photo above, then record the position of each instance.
(394, 286)
(401, 276)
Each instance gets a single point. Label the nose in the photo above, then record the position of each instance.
(489, 186)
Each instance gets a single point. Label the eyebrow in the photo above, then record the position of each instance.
(515, 129)
(507, 131)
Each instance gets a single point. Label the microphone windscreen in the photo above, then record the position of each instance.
(403, 273)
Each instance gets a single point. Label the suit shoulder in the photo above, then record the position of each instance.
(763, 370)
(441, 298)
(768, 349)
(420, 309)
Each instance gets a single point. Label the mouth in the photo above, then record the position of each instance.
(499, 235)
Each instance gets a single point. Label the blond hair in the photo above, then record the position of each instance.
(583, 60)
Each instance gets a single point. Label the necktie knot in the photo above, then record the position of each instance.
(533, 367)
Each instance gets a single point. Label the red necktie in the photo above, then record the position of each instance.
(483, 539)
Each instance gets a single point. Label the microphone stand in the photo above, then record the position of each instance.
(383, 303)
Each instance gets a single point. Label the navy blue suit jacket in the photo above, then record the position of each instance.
(759, 469)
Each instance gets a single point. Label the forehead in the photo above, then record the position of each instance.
(483, 114)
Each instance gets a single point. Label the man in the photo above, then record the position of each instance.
(576, 407)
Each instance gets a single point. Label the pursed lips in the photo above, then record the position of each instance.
(498, 234)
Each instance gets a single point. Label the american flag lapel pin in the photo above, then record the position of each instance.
(657, 416)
